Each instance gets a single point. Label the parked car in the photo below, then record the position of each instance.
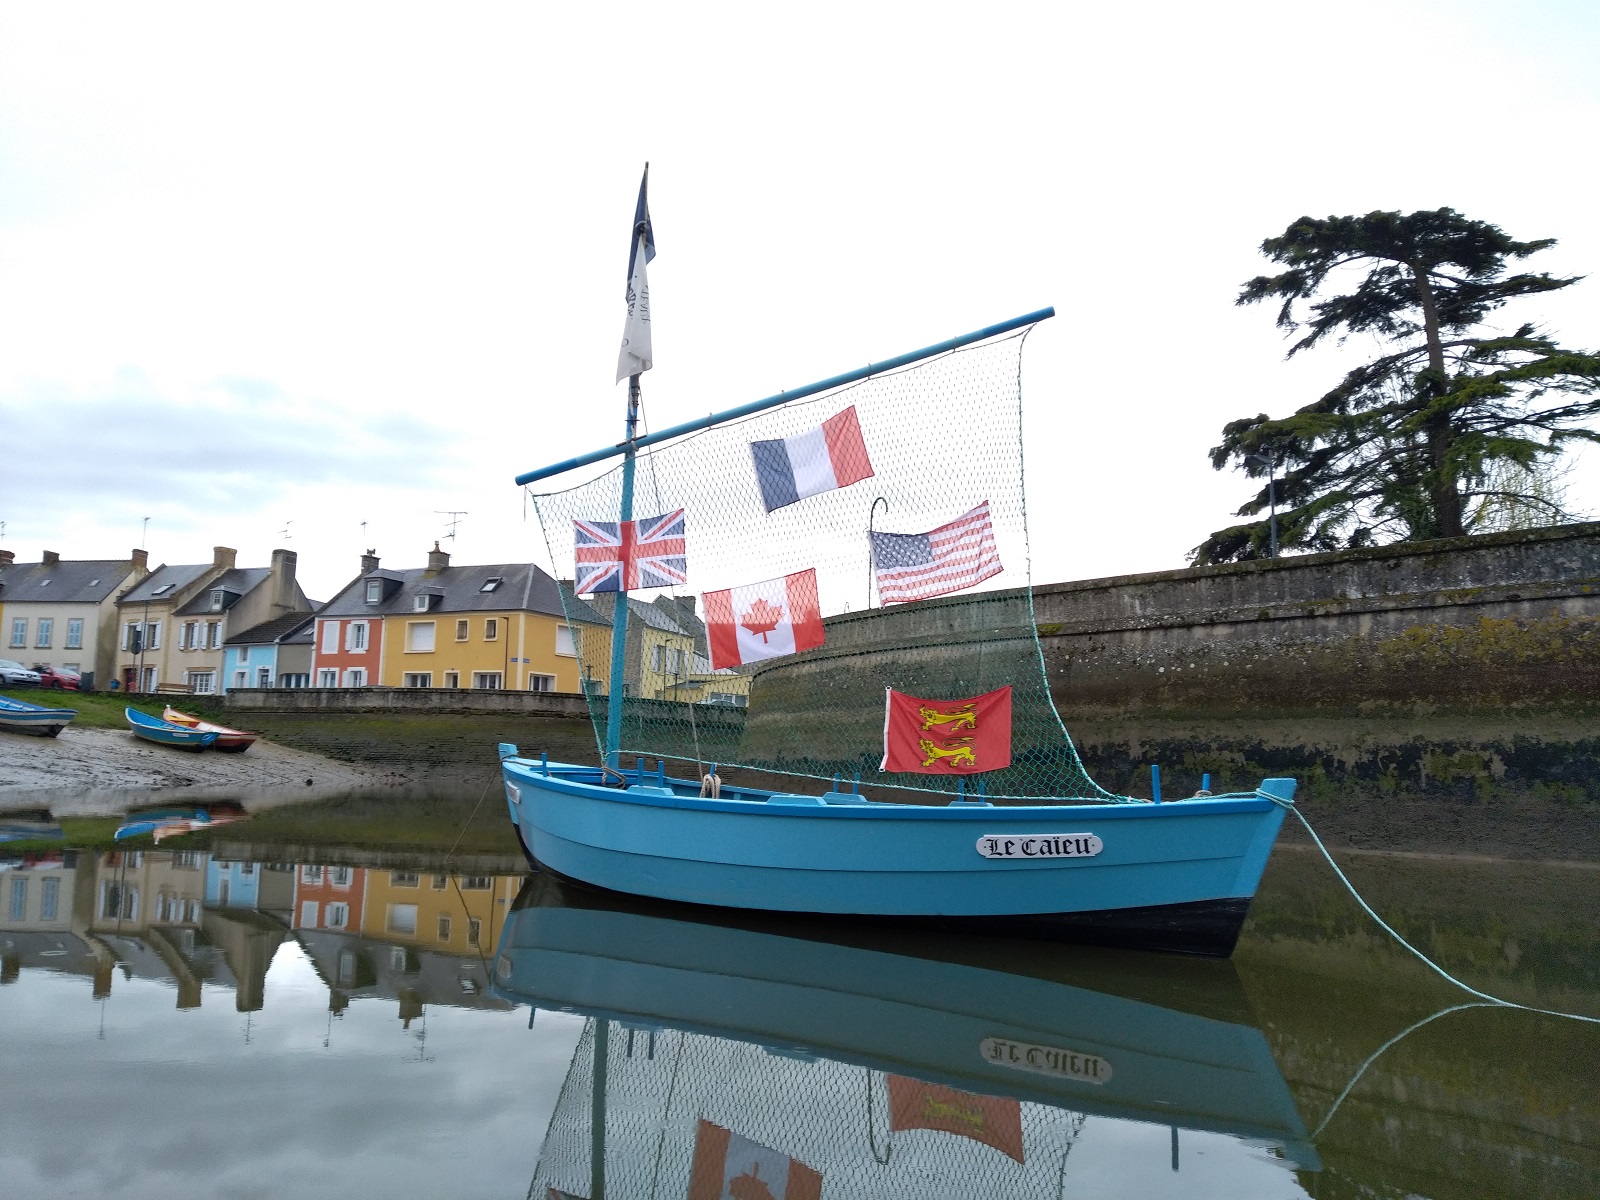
(58, 677)
(14, 674)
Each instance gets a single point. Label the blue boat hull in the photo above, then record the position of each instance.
(165, 733)
(34, 718)
(1175, 877)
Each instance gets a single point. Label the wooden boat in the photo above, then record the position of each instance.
(165, 733)
(162, 823)
(1080, 868)
(230, 741)
(1176, 876)
(34, 718)
(1090, 1032)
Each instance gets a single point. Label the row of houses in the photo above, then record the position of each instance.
(209, 628)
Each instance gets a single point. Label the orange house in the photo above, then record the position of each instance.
(329, 897)
(348, 650)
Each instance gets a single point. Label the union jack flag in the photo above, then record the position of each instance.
(616, 556)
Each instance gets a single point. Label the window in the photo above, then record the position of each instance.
(356, 636)
(152, 636)
(474, 930)
(294, 679)
(246, 869)
(75, 634)
(49, 889)
(242, 654)
(151, 678)
(421, 603)
(202, 683)
(658, 658)
(263, 677)
(337, 916)
(419, 637)
(452, 679)
(566, 643)
(489, 680)
(444, 928)
(327, 677)
(19, 899)
(191, 636)
(402, 918)
(218, 599)
(491, 629)
(130, 636)
(310, 874)
(241, 679)
(477, 883)
(19, 632)
(417, 679)
(541, 683)
(163, 589)
(118, 901)
(440, 882)
(374, 590)
(462, 630)
(404, 879)
(308, 914)
(340, 877)
(355, 677)
(491, 583)
(330, 637)
(213, 634)
(46, 631)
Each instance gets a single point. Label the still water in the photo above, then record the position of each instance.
(226, 1017)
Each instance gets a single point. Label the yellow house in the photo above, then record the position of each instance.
(495, 626)
(454, 914)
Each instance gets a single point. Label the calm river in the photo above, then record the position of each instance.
(287, 1010)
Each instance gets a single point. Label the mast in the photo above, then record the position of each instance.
(619, 615)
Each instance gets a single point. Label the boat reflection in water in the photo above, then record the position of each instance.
(755, 1057)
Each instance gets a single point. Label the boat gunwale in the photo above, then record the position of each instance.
(877, 810)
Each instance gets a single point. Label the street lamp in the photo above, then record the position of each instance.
(1271, 464)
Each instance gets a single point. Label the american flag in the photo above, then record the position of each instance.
(915, 566)
(651, 551)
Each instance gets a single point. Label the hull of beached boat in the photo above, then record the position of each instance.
(984, 1017)
(1176, 877)
(229, 741)
(165, 733)
(34, 718)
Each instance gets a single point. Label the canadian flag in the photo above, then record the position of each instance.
(763, 620)
(730, 1167)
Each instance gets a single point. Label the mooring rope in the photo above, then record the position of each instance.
(1392, 932)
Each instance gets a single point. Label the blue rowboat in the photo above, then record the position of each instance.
(1171, 1042)
(165, 733)
(162, 823)
(34, 718)
(1176, 876)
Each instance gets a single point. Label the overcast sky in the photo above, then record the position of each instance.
(308, 265)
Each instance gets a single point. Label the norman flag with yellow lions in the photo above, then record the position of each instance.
(946, 737)
(993, 1120)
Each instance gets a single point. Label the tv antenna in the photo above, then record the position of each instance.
(285, 530)
(456, 516)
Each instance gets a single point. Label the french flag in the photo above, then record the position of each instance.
(763, 620)
(831, 456)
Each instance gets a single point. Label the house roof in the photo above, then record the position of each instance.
(84, 581)
(239, 580)
(179, 577)
(650, 614)
(279, 630)
(523, 587)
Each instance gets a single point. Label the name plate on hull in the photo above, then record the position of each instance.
(1045, 1060)
(1039, 845)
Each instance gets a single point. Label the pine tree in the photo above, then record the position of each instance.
(1430, 435)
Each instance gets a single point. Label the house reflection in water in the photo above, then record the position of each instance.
(187, 919)
(414, 935)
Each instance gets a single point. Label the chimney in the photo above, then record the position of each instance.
(7, 557)
(283, 564)
(369, 562)
(51, 559)
(438, 560)
(141, 563)
(223, 557)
